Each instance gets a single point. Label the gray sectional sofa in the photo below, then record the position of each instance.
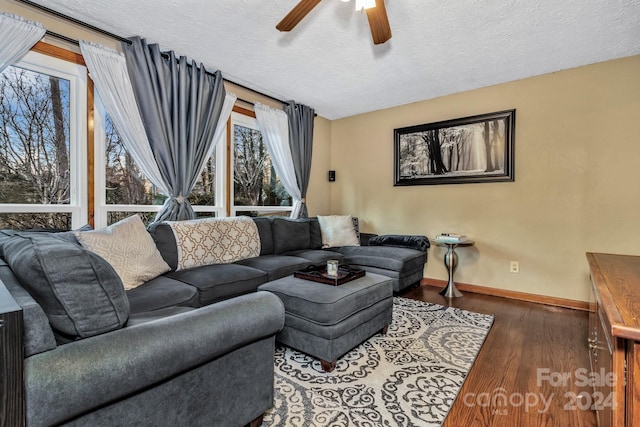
(191, 347)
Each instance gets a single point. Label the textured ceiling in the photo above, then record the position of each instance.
(329, 62)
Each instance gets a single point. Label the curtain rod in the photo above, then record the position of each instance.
(75, 21)
(121, 39)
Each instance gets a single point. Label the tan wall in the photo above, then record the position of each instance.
(577, 185)
(319, 191)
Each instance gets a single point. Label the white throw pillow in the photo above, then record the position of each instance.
(129, 248)
(337, 230)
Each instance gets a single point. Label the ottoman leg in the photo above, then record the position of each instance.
(257, 422)
(384, 330)
(328, 366)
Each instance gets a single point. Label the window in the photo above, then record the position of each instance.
(256, 187)
(43, 105)
(122, 190)
(44, 181)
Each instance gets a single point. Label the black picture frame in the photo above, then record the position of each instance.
(471, 149)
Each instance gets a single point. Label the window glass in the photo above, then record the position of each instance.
(125, 184)
(34, 137)
(36, 220)
(204, 192)
(255, 182)
(115, 216)
(41, 120)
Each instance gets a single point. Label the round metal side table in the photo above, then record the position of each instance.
(451, 262)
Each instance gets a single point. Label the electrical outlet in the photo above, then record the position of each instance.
(514, 267)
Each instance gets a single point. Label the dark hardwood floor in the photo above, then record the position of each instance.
(532, 370)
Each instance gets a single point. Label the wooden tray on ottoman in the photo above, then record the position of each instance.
(319, 274)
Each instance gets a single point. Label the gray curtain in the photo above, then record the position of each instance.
(301, 142)
(180, 104)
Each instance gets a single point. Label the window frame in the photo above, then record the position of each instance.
(87, 203)
(46, 61)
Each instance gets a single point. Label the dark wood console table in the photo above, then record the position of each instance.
(11, 361)
(614, 337)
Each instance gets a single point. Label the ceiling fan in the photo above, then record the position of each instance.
(375, 10)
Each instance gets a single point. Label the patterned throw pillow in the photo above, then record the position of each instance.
(215, 241)
(338, 230)
(129, 248)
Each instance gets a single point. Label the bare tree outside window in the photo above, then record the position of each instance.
(204, 192)
(255, 179)
(34, 146)
(125, 183)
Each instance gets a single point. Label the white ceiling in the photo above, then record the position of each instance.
(329, 62)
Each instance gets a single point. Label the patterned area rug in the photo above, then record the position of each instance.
(408, 377)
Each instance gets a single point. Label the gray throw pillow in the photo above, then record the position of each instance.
(165, 241)
(290, 235)
(266, 237)
(79, 291)
(315, 234)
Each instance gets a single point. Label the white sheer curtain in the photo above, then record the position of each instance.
(108, 70)
(274, 126)
(17, 36)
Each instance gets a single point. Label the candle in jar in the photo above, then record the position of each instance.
(332, 268)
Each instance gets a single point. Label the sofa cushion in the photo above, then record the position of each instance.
(276, 266)
(290, 235)
(80, 292)
(221, 281)
(338, 230)
(160, 293)
(384, 257)
(317, 256)
(129, 248)
(266, 237)
(399, 279)
(211, 241)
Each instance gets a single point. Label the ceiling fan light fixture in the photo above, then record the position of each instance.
(364, 4)
(375, 10)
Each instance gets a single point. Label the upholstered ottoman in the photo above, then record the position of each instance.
(327, 321)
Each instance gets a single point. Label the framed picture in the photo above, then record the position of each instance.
(466, 150)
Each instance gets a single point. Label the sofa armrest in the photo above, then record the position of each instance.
(77, 377)
(420, 243)
(365, 238)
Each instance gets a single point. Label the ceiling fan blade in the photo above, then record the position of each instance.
(379, 23)
(297, 13)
